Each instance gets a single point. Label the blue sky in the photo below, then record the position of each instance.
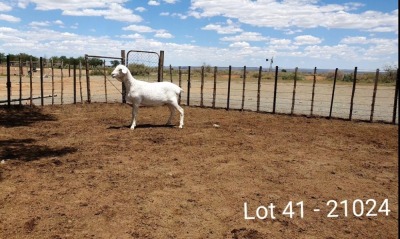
(302, 33)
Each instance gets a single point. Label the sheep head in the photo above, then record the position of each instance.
(120, 72)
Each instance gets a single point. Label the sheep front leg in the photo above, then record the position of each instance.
(135, 109)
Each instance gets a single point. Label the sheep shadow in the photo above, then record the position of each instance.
(15, 116)
(27, 150)
(144, 126)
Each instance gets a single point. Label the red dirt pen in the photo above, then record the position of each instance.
(77, 171)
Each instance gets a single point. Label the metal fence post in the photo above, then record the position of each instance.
(333, 92)
(8, 81)
(41, 81)
(229, 88)
(275, 89)
(259, 88)
(353, 93)
(371, 118)
(294, 90)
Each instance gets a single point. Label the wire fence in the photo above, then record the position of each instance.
(356, 95)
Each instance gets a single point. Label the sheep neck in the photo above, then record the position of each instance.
(129, 82)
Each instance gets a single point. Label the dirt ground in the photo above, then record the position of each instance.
(78, 171)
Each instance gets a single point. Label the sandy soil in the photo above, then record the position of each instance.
(77, 171)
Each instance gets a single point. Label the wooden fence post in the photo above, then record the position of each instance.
(52, 81)
(215, 87)
(170, 72)
(313, 91)
(202, 87)
(294, 89)
(229, 87)
(105, 79)
(353, 93)
(123, 60)
(41, 81)
(333, 92)
(396, 95)
(371, 118)
(30, 82)
(74, 83)
(275, 90)
(87, 79)
(180, 82)
(259, 88)
(21, 72)
(188, 89)
(80, 81)
(62, 82)
(244, 87)
(8, 81)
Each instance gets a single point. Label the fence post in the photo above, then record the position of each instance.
(105, 79)
(122, 83)
(69, 69)
(229, 87)
(215, 87)
(41, 81)
(80, 81)
(30, 82)
(202, 87)
(62, 82)
(161, 66)
(52, 81)
(333, 92)
(294, 89)
(170, 72)
(87, 78)
(244, 87)
(313, 91)
(74, 85)
(20, 80)
(180, 82)
(188, 89)
(8, 81)
(352, 93)
(396, 95)
(374, 95)
(259, 88)
(275, 89)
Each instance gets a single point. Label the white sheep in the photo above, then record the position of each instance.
(149, 94)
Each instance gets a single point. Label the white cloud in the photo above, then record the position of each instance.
(300, 14)
(241, 44)
(153, 3)
(4, 7)
(39, 24)
(138, 28)
(140, 9)
(171, 1)
(307, 40)
(111, 9)
(246, 36)
(132, 36)
(163, 34)
(9, 18)
(164, 14)
(229, 28)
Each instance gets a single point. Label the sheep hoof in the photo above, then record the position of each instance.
(132, 128)
(181, 126)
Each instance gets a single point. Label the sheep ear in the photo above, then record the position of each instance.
(124, 70)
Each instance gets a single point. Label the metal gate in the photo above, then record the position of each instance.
(146, 65)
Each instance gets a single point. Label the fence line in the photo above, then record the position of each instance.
(259, 91)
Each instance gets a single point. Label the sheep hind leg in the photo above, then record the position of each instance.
(181, 112)
(135, 110)
(171, 116)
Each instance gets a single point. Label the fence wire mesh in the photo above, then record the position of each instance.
(144, 65)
